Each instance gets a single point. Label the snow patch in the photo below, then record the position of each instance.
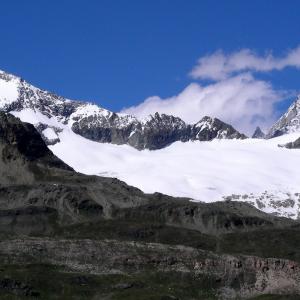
(50, 134)
(34, 117)
(88, 109)
(9, 92)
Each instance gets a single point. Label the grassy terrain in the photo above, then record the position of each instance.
(138, 231)
(48, 282)
(279, 243)
(277, 297)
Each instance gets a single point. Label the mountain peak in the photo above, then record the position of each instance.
(288, 122)
(258, 133)
(209, 128)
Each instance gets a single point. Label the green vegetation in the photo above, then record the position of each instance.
(48, 282)
(280, 243)
(143, 231)
(277, 297)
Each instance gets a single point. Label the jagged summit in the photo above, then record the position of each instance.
(51, 114)
(258, 133)
(289, 122)
(210, 128)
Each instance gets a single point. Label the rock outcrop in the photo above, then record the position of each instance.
(292, 145)
(232, 277)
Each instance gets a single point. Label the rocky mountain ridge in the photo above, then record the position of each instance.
(51, 113)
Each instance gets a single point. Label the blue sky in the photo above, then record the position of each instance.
(119, 53)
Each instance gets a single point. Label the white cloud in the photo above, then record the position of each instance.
(240, 100)
(234, 95)
(218, 66)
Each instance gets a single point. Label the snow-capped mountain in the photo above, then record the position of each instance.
(208, 161)
(51, 113)
(288, 123)
(154, 132)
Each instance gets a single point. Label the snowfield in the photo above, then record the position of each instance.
(257, 170)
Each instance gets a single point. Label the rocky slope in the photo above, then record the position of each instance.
(288, 123)
(100, 238)
(293, 145)
(112, 257)
(22, 146)
(51, 114)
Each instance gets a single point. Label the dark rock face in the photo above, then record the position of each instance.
(22, 136)
(210, 128)
(17, 288)
(292, 145)
(156, 132)
(258, 134)
(21, 140)
(24, 157)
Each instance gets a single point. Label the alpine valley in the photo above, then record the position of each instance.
(70, 235)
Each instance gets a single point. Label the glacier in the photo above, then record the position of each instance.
(253, 170)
